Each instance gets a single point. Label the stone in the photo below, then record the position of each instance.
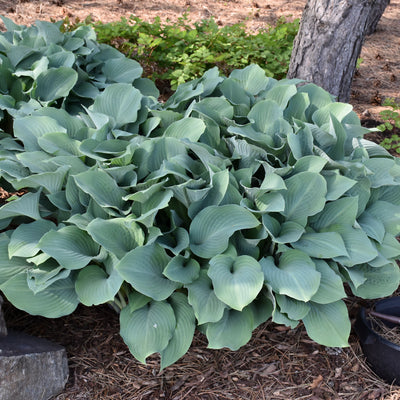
(3, 327)
(31, 368)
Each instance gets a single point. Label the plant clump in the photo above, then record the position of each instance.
(240, 199)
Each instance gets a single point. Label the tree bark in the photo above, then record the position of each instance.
(329, 42)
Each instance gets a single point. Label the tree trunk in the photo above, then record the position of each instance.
(375, 15)
(329, 42)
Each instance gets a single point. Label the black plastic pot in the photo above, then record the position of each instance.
(381, 354)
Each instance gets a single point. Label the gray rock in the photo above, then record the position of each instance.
(31, 368)
(3, 327)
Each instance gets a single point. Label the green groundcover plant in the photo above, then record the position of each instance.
(180, 51)
(240, 199)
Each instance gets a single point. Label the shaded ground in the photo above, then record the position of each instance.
(277, 363)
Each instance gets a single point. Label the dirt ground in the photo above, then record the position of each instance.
(277, 363)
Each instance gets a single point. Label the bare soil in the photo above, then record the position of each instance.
(277, 363)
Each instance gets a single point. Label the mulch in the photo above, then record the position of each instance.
(278, 363)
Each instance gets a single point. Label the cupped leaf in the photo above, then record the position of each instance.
(233, 330)
(55, 301)
(25, 238)
(201, 296)
(70, 246)
(55, 83)
(149, 329)
(183, 270)
(143, 268)
(236, 281)
(296, 275)
(212, 227)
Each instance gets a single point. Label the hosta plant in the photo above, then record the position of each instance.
(240, 199)
(41, 67)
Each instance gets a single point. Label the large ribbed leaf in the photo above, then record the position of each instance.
(331, 286)
(122, 70)
(101, 187)
(25, 238)
(55, 83)
(328, 324)
(201, 296)
(190, 128)
(236, 281)
(321, 245)
(117, 235)
(55, 301)
(120, 101)
(212, 227)
(232, 331)
(26, 205)
(95, 286)
(305, 196)
(70, 246)
(149, 329)
(251, 78)
(183, 333)
(380, 282)
(143, 268)
(182, 270)
(296, 275)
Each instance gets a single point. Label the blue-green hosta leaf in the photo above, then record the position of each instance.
(52, 182)
(336, 109)
(25, 238)
(117, 235)
(26, 205)
(342, 211)
(120, 101)
(70, 246)
(296, 275)
(101, 187)
(122, 70)
(294, 309)
(201, 296)
(380, 282)
(287, 232)
(143, 268)
(372, 226)
(29, 129)
(270, 202)
(214, 195)
(264, 114)
(331, 286)
(55, 83)
(59, 144)
(359, 247)
(183, 333)
(388, 214)
(309, 163)
(190, 128)
(390, 247)
(381, 172)
(301, 143)
(232, 331)
(305, 196)
(252, 78)
(321, 245)
(10, 267)
(44, 275)
(281, 94)
(337, 185)
(217, 109)
(13, 169)
(55, 301)
(176, 241)
(297, 107)
(328, 324)
(236, 281)
(182, 270)
(212, 227)
(149, 329)
(234, 92)
(95, 286)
